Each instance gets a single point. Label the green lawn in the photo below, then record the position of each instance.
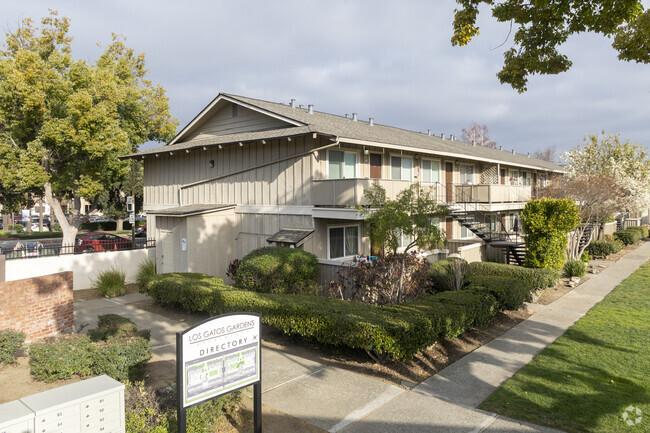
(585, 380)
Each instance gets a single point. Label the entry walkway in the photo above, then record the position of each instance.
(337, 400)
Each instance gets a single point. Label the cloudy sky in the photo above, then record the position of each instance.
(391, 60)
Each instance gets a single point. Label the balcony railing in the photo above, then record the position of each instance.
(349, 192)
(492, 193)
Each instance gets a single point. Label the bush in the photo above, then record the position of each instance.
(146, 270)
(115, 348)
(18, 228)
(584, 257)
(105, 226)
(396, 332)
(231, 272)
(154, 411)
(509, 292)
(535, 279)
(10, 342)
(575, 268)
(377, 281)
(278, 270)
(605, 247)
(628, 237)
(110, 283)
(643, 230)
(448, 274)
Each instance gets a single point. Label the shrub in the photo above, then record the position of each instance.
(110, 283)
(115, 348)
(643, 230)
(628, 237)
(278, 270)
(584, 257)
(605, 247)
(231, 272)
(448, 274)
(533, 278)
(146, 270)
(575, 268)
(377, 281)
(18, 228)
(509, 292)
(10, 342)
(396, 332)
(546, 222)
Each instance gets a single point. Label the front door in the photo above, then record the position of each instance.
(166, 245)
(375, 166)
(449, 181)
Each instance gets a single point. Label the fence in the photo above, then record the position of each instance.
(26, 249)
(86, 267)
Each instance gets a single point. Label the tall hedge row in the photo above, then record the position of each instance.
(396, 332)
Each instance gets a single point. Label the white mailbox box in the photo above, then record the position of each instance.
(15, 417)
(94, 405)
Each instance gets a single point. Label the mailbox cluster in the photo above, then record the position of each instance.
(95, 405)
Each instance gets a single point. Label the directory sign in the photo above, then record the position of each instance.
(217, 356)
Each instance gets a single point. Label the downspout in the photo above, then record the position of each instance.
(223, 176)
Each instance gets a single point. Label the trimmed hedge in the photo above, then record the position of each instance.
(534, 278)
(10, 342)
(115, 348)
(641, 229)
(605, 247)
(396, 332)
(443, 275)
(630, 235)
(509, 292)
(278, 270)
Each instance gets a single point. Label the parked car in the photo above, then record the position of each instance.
(141, 232)
(100, 241)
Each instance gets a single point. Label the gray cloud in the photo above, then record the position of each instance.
(389, 60)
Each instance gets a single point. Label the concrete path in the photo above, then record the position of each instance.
(336, 400)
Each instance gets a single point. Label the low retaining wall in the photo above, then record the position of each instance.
(85, 267)
(40, 307)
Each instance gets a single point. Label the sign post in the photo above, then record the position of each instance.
(219, 355)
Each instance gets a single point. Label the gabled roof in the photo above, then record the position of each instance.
(301, 121)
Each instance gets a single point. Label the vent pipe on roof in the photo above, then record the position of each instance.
(293, 103)
(474, 143)
(346, 115)
(528, 155)
(310, 108)
(500, 147)
(513, 151)
(371, 121)
(428, 132)
(354, 117)
(442, 136)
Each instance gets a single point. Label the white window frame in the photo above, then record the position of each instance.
(469, 233)
(460, 174)
(344, 151)
(354, 253)
(402, 157)
(439, 170)
(516, 178)
(527, 178)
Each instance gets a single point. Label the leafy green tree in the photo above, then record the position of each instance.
(409, 216)
(542, 26)
(546, 223)
(112, 201)
(67, 121)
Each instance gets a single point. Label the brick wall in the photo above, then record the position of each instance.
(40, 306)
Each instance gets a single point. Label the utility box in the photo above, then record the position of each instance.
(93, 405)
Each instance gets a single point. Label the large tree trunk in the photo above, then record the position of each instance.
(120, 223)
(69, 228)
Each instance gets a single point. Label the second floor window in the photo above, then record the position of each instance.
(430, 171)
(342, 165)
(514, 177)
(467, 174)
(525, 178)
(401, 168)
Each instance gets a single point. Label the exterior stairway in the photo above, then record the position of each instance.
(465, 214)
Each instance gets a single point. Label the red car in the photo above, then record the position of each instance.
(100, 241)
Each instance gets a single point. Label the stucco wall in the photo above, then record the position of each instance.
(84, 266)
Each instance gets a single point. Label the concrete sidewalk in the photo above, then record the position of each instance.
(336, 400)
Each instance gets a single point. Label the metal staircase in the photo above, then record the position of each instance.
(465, 210)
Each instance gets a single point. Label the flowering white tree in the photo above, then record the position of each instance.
(626, 163)
(478, 134)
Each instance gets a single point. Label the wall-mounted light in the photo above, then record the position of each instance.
(211, 163)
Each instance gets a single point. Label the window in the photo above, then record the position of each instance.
(514, 177)
(465, 232)
(525, 178)
(542, 178)
(404, 240)
(467, 174)
(343, 241)
(342, 165)
(401, 168)
(430, 171)
(492, 222)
